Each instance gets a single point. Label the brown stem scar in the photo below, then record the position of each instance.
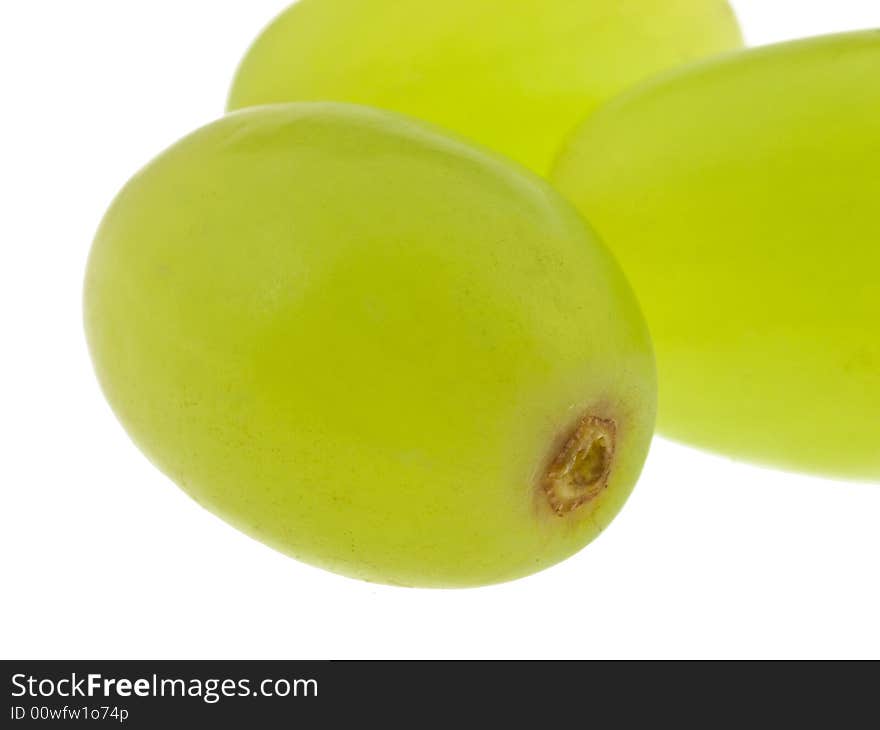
(580, 470)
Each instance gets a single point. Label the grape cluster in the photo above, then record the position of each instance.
(352, 318)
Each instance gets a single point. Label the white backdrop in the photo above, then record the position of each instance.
(102, 557)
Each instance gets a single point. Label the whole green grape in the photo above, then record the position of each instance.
(516, 77)
(741, 197)
(371, 346)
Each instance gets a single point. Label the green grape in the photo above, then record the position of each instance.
(741, 198)
(371, 346)
(516, 77)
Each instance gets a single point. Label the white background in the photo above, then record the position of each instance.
(102, 557)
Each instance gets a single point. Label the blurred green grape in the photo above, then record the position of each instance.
(741, 197)
(515, 76)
